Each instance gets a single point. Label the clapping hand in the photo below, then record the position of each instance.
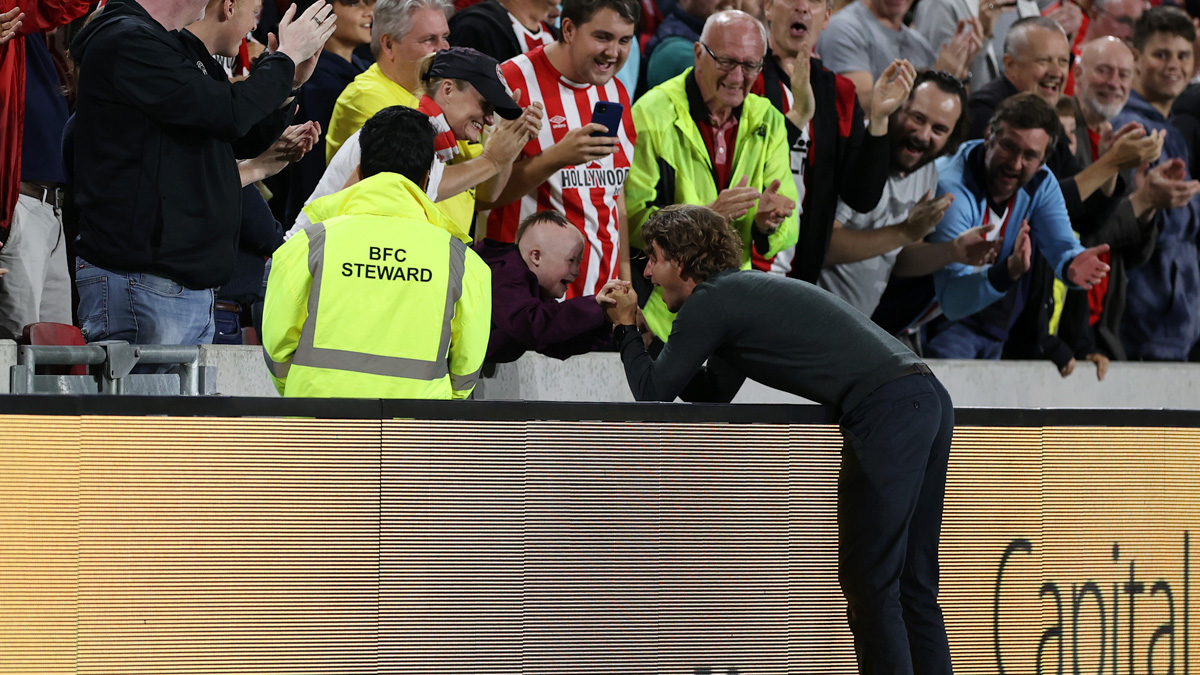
(892, 88)
(10, 23)
(925, 216)
(1087, 269)
(973, 248)
(1166, 186)
(804, 103)
(734, 202)
(773, 208)
(302, 38)
(1021, 258)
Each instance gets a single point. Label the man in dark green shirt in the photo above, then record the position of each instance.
(896, 418)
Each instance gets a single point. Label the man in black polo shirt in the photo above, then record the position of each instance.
(896, 418)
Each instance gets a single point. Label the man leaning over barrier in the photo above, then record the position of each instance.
(896, 418)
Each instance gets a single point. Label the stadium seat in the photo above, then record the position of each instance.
(57, 334)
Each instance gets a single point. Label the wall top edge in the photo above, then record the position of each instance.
(522, 411)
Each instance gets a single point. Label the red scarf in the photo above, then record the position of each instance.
(445, 145)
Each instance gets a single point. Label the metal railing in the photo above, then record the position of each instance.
(114, 368)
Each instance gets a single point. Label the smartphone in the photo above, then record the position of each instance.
(608, 114)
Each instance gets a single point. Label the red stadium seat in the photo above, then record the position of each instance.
(60, 334)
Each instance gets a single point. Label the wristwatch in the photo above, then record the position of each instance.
(621, 330)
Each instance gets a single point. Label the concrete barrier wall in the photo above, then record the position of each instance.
(601, 378)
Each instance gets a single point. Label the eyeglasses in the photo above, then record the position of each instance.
(725, 65)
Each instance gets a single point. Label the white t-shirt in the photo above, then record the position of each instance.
(862, 283)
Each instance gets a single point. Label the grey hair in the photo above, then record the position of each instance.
(394, 17)
(1017, 40)
(728, 16)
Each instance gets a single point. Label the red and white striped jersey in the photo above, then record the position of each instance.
(529, 40)
(586, 195)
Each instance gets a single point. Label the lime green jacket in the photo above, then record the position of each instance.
(376, 299)
(671, 166)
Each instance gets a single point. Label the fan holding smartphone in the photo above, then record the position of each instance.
(578, 163)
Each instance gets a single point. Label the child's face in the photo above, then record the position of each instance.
(1068, 125)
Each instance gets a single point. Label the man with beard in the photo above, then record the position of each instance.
(864, 247)
(1002, 182)
(1037, 55)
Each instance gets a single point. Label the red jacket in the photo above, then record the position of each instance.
(40, 16)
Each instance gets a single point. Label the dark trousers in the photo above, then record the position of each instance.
(890, 490)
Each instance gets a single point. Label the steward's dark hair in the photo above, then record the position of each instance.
(397, 140)
(696, 237)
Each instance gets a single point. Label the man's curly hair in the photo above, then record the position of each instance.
(696, 237)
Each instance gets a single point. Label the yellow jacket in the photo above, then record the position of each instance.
(371, 92)
(376, 299)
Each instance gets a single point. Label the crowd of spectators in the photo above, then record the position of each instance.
(984, 179)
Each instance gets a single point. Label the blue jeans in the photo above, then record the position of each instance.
(958, 341)
(141, 308)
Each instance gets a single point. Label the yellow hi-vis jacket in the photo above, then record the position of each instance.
(671, 165)
(376, 299)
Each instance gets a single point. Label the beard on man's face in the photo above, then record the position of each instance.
(910, 153)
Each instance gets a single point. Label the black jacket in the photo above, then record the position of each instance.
(155, 176)
(844, 162)
(486, 27)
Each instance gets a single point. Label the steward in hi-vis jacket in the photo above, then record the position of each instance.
(376, 299)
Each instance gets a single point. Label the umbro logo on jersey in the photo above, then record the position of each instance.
(558, 121)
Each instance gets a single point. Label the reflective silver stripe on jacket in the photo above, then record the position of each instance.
(463, 382)
(279, 370)
(374, 364)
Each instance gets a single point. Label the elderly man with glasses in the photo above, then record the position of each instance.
(707, 111)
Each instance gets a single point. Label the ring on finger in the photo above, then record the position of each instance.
(318, 20)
